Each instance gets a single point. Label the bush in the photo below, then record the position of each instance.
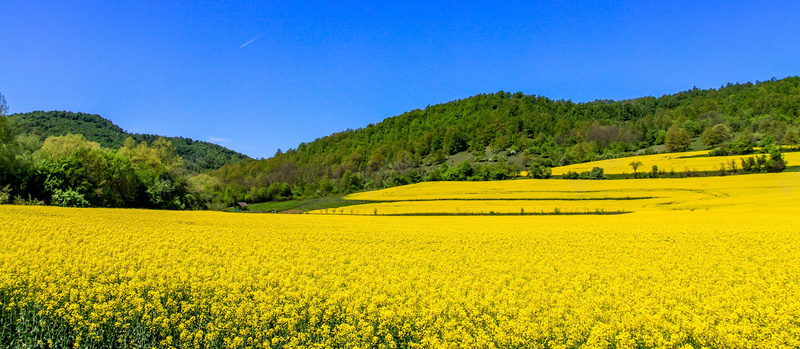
(773, 162)
(68, 198)
(743, 144)
(458, 173)
(540, 172)
(5, 194)
(595, 173)
(748, 164)
(723, 150)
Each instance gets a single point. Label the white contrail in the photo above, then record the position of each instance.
(247, 43)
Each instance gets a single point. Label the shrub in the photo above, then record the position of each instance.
(773, 162)
(595, 173)
(5, 194)
(540, 172)
(68, 198)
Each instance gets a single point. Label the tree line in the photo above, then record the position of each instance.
(535, 131)
(73, 171)
(485, 137)
(197, 155)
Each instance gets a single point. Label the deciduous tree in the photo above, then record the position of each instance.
(717, 134)
(678, 139)
(791, 139)
(635, 165)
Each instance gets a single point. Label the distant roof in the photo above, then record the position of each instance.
(243, 204)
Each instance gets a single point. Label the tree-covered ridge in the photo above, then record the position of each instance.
(197, 155)
(485, 137)
(539, 130)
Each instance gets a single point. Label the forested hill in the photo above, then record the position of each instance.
(197, 155)
(533, 131)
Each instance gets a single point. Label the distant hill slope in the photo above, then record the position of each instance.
(526, 129)
(198, 155)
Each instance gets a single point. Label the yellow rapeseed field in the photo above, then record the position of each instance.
(769, 193)
(695, 161)
(698, 263)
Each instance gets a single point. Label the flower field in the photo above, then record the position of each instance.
(742, 193)
(697, 263)
(678, 162)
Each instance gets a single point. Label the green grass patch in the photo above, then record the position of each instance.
(303, 205)
(556, 212)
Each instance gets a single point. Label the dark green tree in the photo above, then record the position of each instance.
(678, 139)
(635, 165)
(791, 139)
(3, 105)
(717, 134)
(743, 144)
(9, 166)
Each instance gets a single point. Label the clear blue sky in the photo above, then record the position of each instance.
(262, 75)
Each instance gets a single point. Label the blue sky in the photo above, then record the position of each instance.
(188, 68)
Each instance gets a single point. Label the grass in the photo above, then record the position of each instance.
(555, 212)
(302, 205)
(332, 202)
(512, 199)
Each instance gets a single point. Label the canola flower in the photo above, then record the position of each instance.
(770, 193)
(696, 161)
(716, 268)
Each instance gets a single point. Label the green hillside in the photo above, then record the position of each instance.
(494, 135)
(485, 137)
(197, 155)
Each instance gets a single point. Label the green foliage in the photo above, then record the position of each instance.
(407, 178)
(63, 146)
(717, 134)
(458, 173)
(197, 155)
(427, 144)
(8, 163)
(595, 173)
(773, 161)
(540, 172)
(72, 171)
(654, 172)
(678, 139)
(635, 165)
(100, 177)
(791, 139)
(68, 198)
(3, 105)
(743, 144)
(547, 132)
(5, 194)
(351, 182)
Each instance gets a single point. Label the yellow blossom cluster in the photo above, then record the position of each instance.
(774, 193)
(696, 161)
(680, 277)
